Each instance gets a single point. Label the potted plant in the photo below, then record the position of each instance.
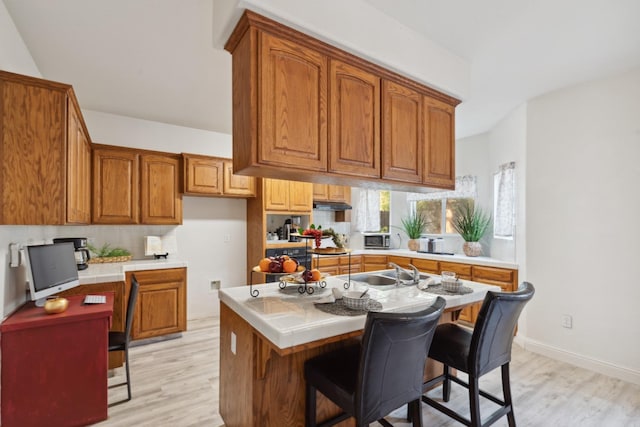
(413, 224)
(108, 254)
(472, 223)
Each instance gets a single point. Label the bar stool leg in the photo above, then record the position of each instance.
(506, 391)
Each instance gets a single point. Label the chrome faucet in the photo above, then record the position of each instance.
(415, 274)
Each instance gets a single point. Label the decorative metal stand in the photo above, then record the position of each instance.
(346, 284)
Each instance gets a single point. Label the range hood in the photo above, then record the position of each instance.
(331, 206)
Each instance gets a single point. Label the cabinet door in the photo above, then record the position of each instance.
(321, 192)
(78, 169)
(300, 196)
(400, 260)
(237, 185)
(32, 152)
(439, 159)
(426, 265)
(276, 194)
(160, 198)
(203, 176)
(402, 133)
(115, 186)
(355, 116)
(339, 193)
(293, 108)
(161, 308)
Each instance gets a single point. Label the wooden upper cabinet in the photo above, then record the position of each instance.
(160, 198)
(44, 148)
(354, 134)
(402, 133)
(320, 192)
(331, 193)
(439, 122)
(116, 176)
(203, 176)
(288, 196)
(237, 185)
(78, 168)
(293, 108)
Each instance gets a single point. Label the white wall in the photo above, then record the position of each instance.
(14, 55)
(583, 170)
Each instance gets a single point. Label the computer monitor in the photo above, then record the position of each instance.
(51, 269)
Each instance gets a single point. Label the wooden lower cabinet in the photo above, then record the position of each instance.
(426, 265)
(116, 358)
(374, 262)
(335, 265)
(161, 308)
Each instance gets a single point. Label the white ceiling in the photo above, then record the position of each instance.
(154, 59)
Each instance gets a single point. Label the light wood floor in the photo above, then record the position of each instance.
(175, 383)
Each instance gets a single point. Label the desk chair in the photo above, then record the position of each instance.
(119, 341)
(384, 372)
(479, 352)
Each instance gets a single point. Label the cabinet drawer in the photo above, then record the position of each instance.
(493, 273)
(400, 260)
(355, 259)
(462, 270)
(374, 259)
(326, 261)
(428, 265)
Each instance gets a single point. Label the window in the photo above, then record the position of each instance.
(438, 207)
(373, 212)
(504, 201)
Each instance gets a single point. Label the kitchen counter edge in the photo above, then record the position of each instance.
(459, 258)
(115, 272)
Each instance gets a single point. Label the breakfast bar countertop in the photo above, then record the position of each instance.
(115, 271)
(288, 319)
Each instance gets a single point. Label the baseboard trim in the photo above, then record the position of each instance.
(605, 368)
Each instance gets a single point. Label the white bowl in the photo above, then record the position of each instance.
(353, 301)
(451, 285)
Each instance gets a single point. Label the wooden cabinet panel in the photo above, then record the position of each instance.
(439, 159)
(161, 308)
(237, 185)
(276, 192)
(116, 358)
(115, 186)
(402, 133)
(331, 193)
(293, 109)
(160, 198)
(300, 196)
(493, 273)
(355, 121)
(463, 271)
(203, 176)
(78, 169)
(374, 262)
(400, 260)
(321, 192)
(426, 265)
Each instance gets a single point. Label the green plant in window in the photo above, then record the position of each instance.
(471, 222)
(414, 225)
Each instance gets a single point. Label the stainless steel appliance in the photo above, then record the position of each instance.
(377, 240)
(431, 245)
(82, 252)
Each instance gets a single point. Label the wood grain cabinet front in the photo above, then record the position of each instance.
(44, 153)
(161, 308)
(213, 177)
(287, 196)
(136, 186)
(439, 152)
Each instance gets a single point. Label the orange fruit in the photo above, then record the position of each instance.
(289, 266)
(285, 257)
(316, 275)
(264, 264)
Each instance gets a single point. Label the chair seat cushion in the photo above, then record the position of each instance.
(335, 375)
(117, 340)
(451, 346)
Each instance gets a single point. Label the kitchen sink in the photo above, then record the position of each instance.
(373, 279)
(404, 276)
(384, 280)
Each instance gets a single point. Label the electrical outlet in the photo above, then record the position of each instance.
(233, 343)
(215, 285)
(227, 238)
(567, 321)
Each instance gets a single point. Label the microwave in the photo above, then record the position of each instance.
(377, 240)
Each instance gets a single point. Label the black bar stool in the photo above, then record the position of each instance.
(479, 352)
(384, 372)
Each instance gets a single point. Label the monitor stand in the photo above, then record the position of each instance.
(40, 302)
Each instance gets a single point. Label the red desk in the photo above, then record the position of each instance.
(54, 366)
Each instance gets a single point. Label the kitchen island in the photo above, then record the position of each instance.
(264, 342)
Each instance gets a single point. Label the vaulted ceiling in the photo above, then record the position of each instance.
(154, 59)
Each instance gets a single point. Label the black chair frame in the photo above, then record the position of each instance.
(119, 341)
(486, 348)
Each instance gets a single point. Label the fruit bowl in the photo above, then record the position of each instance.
(257, 270)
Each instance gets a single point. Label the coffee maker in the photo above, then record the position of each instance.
(82, 253)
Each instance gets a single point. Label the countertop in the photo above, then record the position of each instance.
(115, 271)
(288, 319)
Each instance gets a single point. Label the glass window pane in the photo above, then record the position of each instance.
(452, 206)
(384, 210)
(431, 210)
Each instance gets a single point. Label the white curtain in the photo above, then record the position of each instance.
(368, 212)
(504, 195)
(466, 187)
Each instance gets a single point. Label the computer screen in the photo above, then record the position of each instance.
(51, 269)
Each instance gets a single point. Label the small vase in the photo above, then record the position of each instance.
(413, 244)
(472, 248)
